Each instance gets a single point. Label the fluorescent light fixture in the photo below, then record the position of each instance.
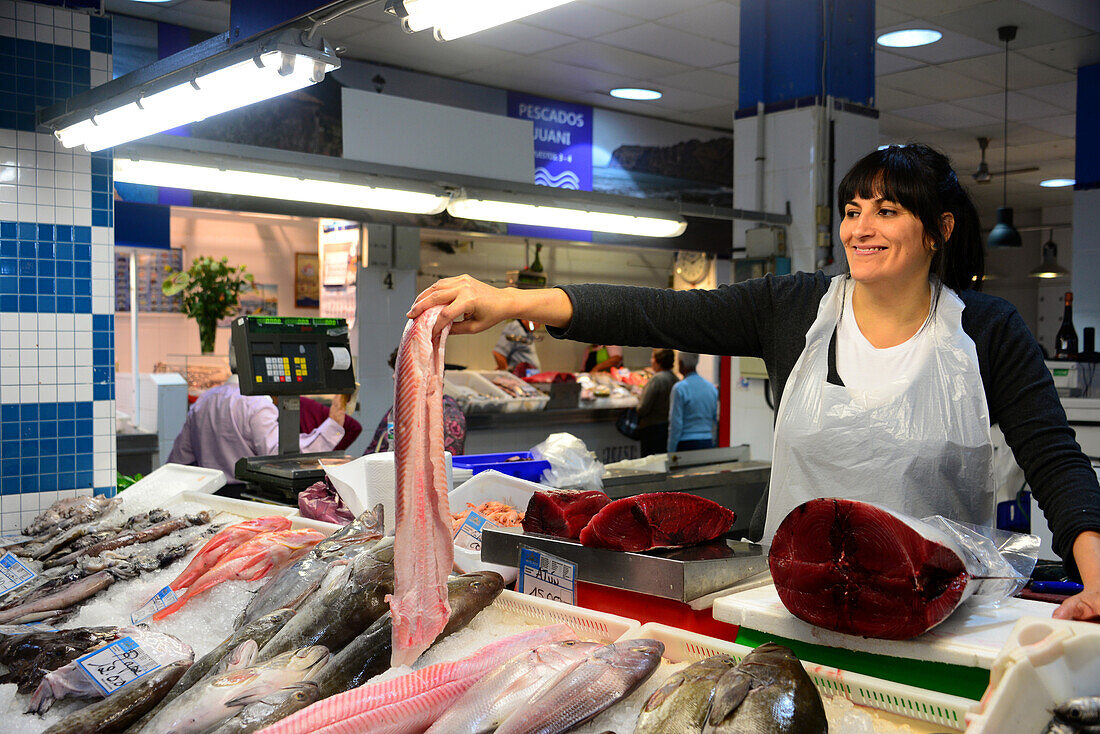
(516, 211)
(643, 95)
(133, 107)
(276, 186)
(453, 19)
(909, 38)
(1057, 183)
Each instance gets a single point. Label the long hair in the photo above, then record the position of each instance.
(921, 180)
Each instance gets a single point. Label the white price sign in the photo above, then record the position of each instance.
(113, 666)
(163, 598)
(469, 532)
(547, 576)
(13, 574)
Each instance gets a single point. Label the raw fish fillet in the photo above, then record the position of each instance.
(412, 702)
(657, 520)
(250, 561)
(225, 541)
(562, 512)
(856, 568)
(423, 546)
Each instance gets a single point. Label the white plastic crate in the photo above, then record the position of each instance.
(587, 623)
(246, 510)
(941, 709)
(530, 399)
(474, 393)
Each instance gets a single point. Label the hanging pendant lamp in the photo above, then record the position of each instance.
(1049, 268)
(1003, 233)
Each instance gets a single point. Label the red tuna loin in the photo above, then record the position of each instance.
(562, 512)
(856, 568)
(657, 520)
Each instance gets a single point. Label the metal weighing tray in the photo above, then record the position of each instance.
(682, 574)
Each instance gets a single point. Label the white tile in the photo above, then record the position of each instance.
(103, 304)
(102, 477)
(43, 14)
(82, 322)
(47, 340)
(47, 357)
(63, 197)
(24, 30)
(99, 61)
(28, 339)
(62, 19)
(82, 217)
(28, 358)
(44, 196)
(24, 11)
(65, 358)
(28, 376)
(82, 199)
(9, 376)
(101, 235)
(80, 22)
(66, 393)
(28, 321)
(9, 503)
(101, 444)
(28, 393)
(66, 375)
(63, 162)
(27, 213)
(9, 322)
(47, 393)
(84, 391)
(9, 357)
(9, 393)
(47, 321)
(82, 39)
(66, 322)
(81, 179)
(63, 36)
(7, 9)
(47, 375)
(43, 34)
(7, 27)
(9, 212)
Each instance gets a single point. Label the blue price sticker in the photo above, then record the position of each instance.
(163, 598)
(115, 665)
(547, 576)
(469, 532)
(13, 573)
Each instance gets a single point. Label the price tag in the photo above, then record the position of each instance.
(547, 576)
(13, 573)
(469, 532)
(113, 666)
(163, 598)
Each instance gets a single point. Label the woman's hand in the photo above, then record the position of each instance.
(1084, 606)
(481, 306)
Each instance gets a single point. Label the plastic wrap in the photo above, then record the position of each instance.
(320, 501)
(1000, 562)
(572, 465)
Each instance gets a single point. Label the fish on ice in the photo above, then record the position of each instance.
(682, 703)
(223, 542)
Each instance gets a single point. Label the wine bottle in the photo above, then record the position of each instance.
(1065, 341)
(536, 266)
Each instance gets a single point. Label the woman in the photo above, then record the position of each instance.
(693, 409)
(653, 408)
(888, 378)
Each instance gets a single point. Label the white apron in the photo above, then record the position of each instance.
(921, 446)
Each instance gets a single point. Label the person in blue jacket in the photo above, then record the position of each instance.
(693, 408)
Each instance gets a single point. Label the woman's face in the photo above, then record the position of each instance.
(884, 242)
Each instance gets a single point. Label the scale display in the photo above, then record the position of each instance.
(292, 356)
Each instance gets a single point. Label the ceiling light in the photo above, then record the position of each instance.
(1057, 183)
(644, 95)
(179, 90)
(242, 182)
(1049, 268)
(516, 210)
(909, 38)
(453, 19)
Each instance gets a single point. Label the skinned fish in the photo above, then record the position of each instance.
(495, 697)
(115, 713)
(410, 703)
(271, 708)
(424, 549)
(61, 598)
(225, 541)
(582, 690)
(768, 692)
(249, 561)
(212, 701)
(682, 704)
(656, 520)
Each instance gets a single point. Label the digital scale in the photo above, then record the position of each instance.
(287, 357)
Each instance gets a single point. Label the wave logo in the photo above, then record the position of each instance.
(564, 180)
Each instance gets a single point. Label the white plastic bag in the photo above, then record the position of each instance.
(572, 465)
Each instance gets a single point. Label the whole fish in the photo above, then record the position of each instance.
(1079, 711)
(225, 541)
(211, 701)
(682, 704)
(249, 561)
(1057, 726)
(768, 692)
(424, 549)
(273, 707)
(496, 696)
(353, 599)
(290, 587)
(144, 535)
(369, 653)
(581, 691)
(30, 655)
(69, 681)
(410, 703)
(66, 537)
(260, 631)
(78, 509)
(115, 713)
(61, 598)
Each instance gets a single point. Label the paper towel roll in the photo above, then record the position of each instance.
(370, 480)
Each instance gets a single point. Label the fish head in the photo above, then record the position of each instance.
(303, 692)
(239, 657)
(468, 594)
(307, 660)
(631, 654)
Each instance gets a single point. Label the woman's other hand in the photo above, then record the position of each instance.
(1084, 606)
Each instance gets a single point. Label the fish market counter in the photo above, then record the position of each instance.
(492, 433)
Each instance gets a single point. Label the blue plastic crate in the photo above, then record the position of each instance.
(529, 468)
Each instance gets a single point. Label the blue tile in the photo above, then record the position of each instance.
(66, 411)
(46, 268)
(9, 265)
(45, 286)
(9, 412)
(27, 249)
(82, 235)
(101, 217)
(82, 75)
(9, 284)
(64, 304)
(83, 286)
(101, 164)
(101, 391)
(28, 430)
(9, 303)
(66, 480)
(103, 357)
(64, 251)
(47, 482)
(83, 409)
(27, 266)
(9, 467)
(100, 374)
(66, 463)
(28, 449)
(64, 233)
(47, 462)
(84, 479)
(64, 286)
(47, 304)
(82, 304)
(28, 412)
(82, 252)
(84, 443)
(45, 251)
(82, 269)
(9, 249)
(65, 446)
(103, 322)
(47, 429)
(28, 304)
(45, 233)
(27, 231)
(28, 483)
(63, 268)
(28, 286)
(47, 411)
(9, 449)
(28, 465)
(105, 491)
(84, 461)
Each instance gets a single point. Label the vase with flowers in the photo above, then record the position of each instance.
(209, 290)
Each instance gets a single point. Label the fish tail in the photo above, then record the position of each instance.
(175, 607)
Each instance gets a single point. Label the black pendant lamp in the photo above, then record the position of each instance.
(1003, 233)
(1049, 268)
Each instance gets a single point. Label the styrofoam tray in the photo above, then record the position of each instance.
(532, 400)
(941, 709)
(249, 510)
(587, 623)
(484, 487)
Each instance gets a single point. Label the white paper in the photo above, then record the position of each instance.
(341, 358)
(13, 574)
(113, 666)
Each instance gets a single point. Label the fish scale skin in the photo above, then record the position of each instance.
(423, 546)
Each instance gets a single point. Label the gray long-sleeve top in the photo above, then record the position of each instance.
(769, 317)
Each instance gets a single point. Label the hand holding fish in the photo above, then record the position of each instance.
(481, 306)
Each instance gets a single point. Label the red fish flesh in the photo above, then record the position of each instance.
(225, 541)
(562, 512)
(657, 520)
(423, 549)
(853, 567)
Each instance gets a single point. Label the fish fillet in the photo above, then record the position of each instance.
(656, 520)
(423, 546)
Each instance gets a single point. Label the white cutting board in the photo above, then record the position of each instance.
(970, 637)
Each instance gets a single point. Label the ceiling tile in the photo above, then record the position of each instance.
(1020, 107)
(719, 117)
(951, 47)
(1036, 25)
(888, 99)
(928, 8)
(937, 83)
(516, 73)
(1082, 13)
(668, 43)
(1061, 125)
(886, 17)
(680, 100)
(946, 115)
(651, 9)
(419, 51)
(703, 82)
(888, 63)
(1022, 71)
(613, 60)
(1068, 55)
(1062, 95)
(720, 21)
(894, 129)
(517, 38)
(728, 69)
(581, 20)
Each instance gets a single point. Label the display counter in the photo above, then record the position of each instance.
(490, 433)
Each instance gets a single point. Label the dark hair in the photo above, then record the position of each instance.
(665, 358)
(393, 359)
(921, 180)
(688, 362)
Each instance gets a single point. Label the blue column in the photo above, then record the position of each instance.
(797, 49)
(1087, 173)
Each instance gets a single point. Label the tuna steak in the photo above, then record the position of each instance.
(562, 512)
(853, 567)
(657, 520)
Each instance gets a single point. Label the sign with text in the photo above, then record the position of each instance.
(469, 532)
(547, 576)
(13, 573)
(113, 666)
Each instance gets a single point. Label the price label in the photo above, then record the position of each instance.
(469, 532)
(163, 598)
(113, 666)
(547, 576)
(13, 573)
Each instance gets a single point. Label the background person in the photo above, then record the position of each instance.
(517, 346)
(601, 358)
(693, 408)
(654, 405)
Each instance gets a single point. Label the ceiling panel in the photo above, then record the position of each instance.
(886, 17)
(519, 39)
(654, 9)
(1060, 95)
(933, 82)
(669, 43)
(888, 63)
(703, 82)
(611, 59)
(581, 20)
(1067, 55)
(720, 117)
(1036, 26)
(888, 99)
(1021, 108)
(720, 21)
(1022, 71)
(951, 47)
(946, 115)
(1061, 125)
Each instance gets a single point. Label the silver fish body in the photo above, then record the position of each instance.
(682, 704)
(271, 708)
(1083, 710)
(62, 598)
(583, 690)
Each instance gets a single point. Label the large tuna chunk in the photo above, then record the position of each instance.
(562, 512)
(657, 520)
(856, 568)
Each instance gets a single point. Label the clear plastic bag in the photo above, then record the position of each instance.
(572, 465)
(1000, 562)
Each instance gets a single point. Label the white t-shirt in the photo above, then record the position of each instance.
(864, 368)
